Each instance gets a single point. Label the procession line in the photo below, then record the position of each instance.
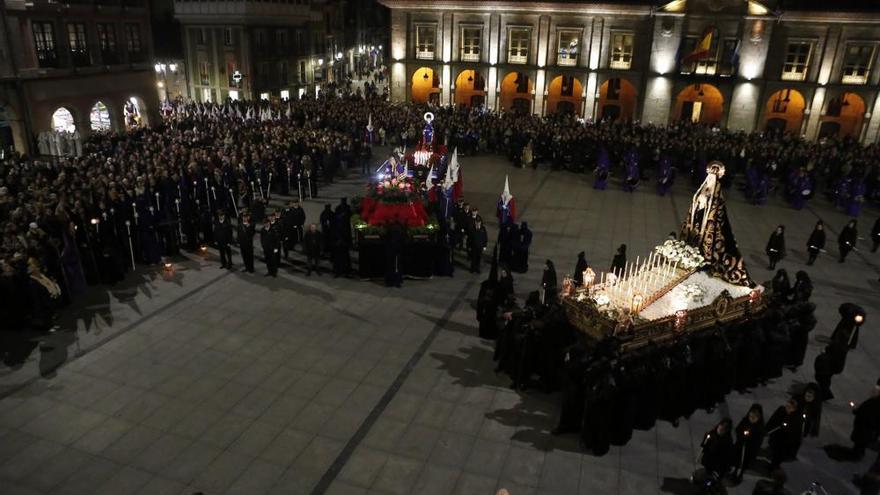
(12, 390)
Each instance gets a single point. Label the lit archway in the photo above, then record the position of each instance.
(516, 92)
(617, 100)
(699, 102)
(134, 113)
(784, 111)
(470, 89)
(844, 116)
(100, 118)
(425, 86)
(564, 94)
(63, 121)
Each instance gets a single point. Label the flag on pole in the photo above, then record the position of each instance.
(703, 48)
(506, 205)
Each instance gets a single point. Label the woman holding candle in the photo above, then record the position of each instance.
(749, 436)
(717, 449)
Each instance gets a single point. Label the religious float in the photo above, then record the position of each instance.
(681, 286)
(670, 333)
(399, 211)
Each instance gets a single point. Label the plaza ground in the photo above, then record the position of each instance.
(225, 382)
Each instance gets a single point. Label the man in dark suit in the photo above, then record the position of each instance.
(246, 243)
(223, 238)
(270, 244)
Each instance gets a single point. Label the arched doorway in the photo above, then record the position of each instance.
(63, 121)
(425, 86)
(699, 102)
(844, 116)
(100, 118)
(516, 92)
(564, 95)
(784, 111)
(470, 89)
(617, 100)
(134, 113)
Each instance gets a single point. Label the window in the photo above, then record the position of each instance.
(227, 36)
(797, 61)
(282, 73)
(281, 39)
(426, 39)
(264, 96)
(857, 63)
(285, 94)
(107, 42)
(133, 40)
(720, 61)
(621, 51)
(204, 73)
(518, 45)
(79, 47)
(470, 43)
(568, 47)
(44, 42)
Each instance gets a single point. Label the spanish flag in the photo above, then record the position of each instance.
(703, 47)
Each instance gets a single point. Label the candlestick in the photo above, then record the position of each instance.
(157, 202)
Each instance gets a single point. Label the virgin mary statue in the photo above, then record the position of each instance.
(708, 229)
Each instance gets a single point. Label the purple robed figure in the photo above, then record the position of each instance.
(842, 192)
(761, 188)
(665, 176)
(631, 162)
(802, 190)
(603, 164)
(856, 198)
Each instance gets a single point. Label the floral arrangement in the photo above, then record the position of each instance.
(601, 299)
(694, 292)
(400, 189)
(682, 253)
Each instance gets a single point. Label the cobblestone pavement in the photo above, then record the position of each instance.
(224, 382)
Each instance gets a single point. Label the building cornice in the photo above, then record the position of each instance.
(523, 7)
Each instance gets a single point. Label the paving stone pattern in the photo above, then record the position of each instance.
(233, 383)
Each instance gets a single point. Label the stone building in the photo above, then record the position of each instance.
(798, 66)
(80, 66)
(259, 49)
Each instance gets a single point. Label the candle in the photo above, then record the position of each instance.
(157, 201)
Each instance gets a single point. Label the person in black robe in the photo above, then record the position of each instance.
(298, 219)
(875, 236)
(776, 247)
(521, 245)
(288, 236)
(810, 407)
(246, 243)
(478, 238)
(846, 241)
(781, 285)
(716, 455)
(312, 247)
(223, 238)
(327, 218)
(579, 268)
(749, 437)
(845, 335)
(506, 236)
(548, 282)
(270, 244)
(505, 285)
(618, 264)
(866, 423)
(784, 432)
(803, 287)
(816, 242)
(823, 372)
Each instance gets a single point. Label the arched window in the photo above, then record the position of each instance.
(62, 120)
(100, 118)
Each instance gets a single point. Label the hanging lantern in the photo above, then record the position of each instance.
(637, 301)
